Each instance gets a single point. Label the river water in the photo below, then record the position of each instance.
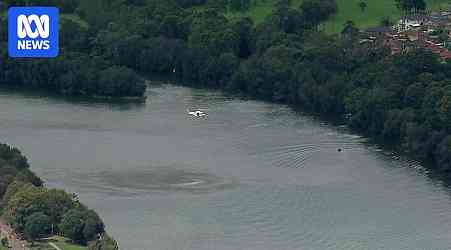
(251, 175)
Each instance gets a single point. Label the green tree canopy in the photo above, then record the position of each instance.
(72, 225)
(36, 226)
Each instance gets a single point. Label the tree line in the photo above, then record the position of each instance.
(77, 71)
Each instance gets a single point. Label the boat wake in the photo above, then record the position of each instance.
(297, 156)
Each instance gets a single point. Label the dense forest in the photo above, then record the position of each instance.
(35, 211)
(80, 70)
(402, 99)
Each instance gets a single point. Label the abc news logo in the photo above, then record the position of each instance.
(24, 30)
(33, 31)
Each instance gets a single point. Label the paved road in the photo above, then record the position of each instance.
(54, 246)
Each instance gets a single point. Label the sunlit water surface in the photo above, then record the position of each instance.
(249, 176)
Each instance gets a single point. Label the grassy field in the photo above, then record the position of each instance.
(61, 242)
(64, 244)
(371, 17)
(40, 246)
(347, 10)
(68, 246)
(258, 12)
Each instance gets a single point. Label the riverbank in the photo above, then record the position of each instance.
(30, 210)
(15, 242)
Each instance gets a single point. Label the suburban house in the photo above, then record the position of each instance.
(431, 31)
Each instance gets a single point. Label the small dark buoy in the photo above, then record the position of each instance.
(339, 150)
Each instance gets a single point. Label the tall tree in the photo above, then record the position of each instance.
(37, 225)
(363, 5)
(349, 31)
(72, 225)
(410, 6)
(317, 11)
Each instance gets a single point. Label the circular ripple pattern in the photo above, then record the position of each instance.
(154, 179)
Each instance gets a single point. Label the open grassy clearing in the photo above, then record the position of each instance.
(347, 10)
(60, 242)
(65, 244)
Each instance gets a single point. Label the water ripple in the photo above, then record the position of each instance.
(154, 179)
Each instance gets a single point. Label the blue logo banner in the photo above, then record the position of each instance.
(33, 32)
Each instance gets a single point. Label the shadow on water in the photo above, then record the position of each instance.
(113, 103)
(154, 178)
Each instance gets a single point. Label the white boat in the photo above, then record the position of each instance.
(197, 113)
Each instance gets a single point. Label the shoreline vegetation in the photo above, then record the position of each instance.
(33, 212)
(36, 92)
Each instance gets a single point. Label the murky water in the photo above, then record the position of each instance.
(249, 176)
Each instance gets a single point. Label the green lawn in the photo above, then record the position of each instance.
(371, 17)
(40, 246)
(347, 10)
(61, 242)
(257, 12)
(68, 246)
(64, 244)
